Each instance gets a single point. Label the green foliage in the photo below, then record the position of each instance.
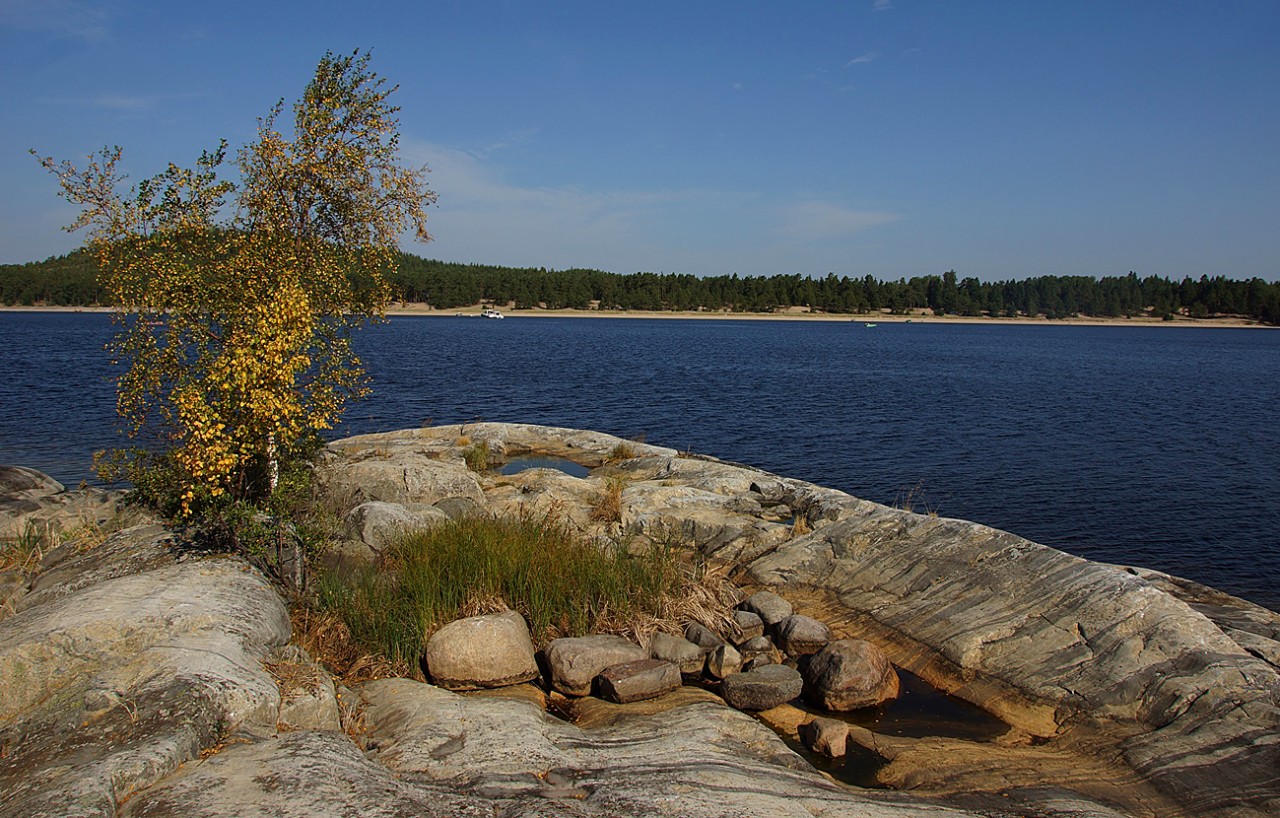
(560, 583)
(235, 332)
(477, 456)
(447, 285)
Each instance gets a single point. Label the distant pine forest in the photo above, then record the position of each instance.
(71, 280)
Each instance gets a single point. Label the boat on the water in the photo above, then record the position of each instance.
(868, 325)
(491, 313)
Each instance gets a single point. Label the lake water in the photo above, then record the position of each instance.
(1153, 446)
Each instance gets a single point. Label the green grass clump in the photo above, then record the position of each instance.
(477, 456)
(561, 583)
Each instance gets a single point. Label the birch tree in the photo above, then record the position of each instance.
(237, 300)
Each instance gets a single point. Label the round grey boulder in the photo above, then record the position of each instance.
(767, 605)
(848, 674)
(493, 650)
(798, 635)
(762, 688)
(574, 661)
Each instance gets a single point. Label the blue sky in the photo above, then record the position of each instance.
(1004, 139)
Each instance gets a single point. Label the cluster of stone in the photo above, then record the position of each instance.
(771, 657)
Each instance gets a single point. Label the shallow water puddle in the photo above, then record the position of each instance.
(519, 464)
(921, 710)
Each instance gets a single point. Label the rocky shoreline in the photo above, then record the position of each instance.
(139, 678)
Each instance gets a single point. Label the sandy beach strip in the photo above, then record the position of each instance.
(793, 314)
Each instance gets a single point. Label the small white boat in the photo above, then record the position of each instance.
(868, 324)
(491, 313)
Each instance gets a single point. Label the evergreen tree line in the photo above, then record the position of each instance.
(71, 280)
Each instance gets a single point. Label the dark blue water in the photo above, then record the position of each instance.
(1152, 446)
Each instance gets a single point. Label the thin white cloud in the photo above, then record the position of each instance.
(870, 56)
(481, 217)
(126, 103)
(76, 19)
(882, 5)
(819, 221)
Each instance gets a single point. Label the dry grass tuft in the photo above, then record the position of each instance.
(620, 452)
(325, 636)
(607, 506)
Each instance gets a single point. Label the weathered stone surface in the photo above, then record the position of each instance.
(637, 680)
(493, 650)
(723, 662)
(701, 760)
(767, 605)
(33, 502)
(688, 656)
(123, 663)
(396, 474)
(762, 688)
(827, 737)
(848, 674)
(1053, 644)
(574, 662)
(377, 523)
(749, 625)
(798, 635)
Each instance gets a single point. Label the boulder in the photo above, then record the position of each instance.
(702, 636)
(767, 605)
(377, 523)
(759, 650)
(848, 674)
(397, 475)
(723, 662)
(798, 635)
(637, 680)
(828, 737)
(749, 626)
(575, 661)
(493, 650)
(688, 656)
(762, 688)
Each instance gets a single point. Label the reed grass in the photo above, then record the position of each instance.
(477, 456)
(560, 582)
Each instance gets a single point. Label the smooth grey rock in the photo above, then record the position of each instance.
(848, 674)
(637, 680)
(702, 636)
(492, 650)
(458, 508)
(378, 523)
(749, 624)
(798, 635)
(762, 688)
(828, 737)
(688, 656)
(396, 475)
(124, 663)
(723, 662)
(32, 502)
(575, 661)
(767, 605)
(700, 760)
